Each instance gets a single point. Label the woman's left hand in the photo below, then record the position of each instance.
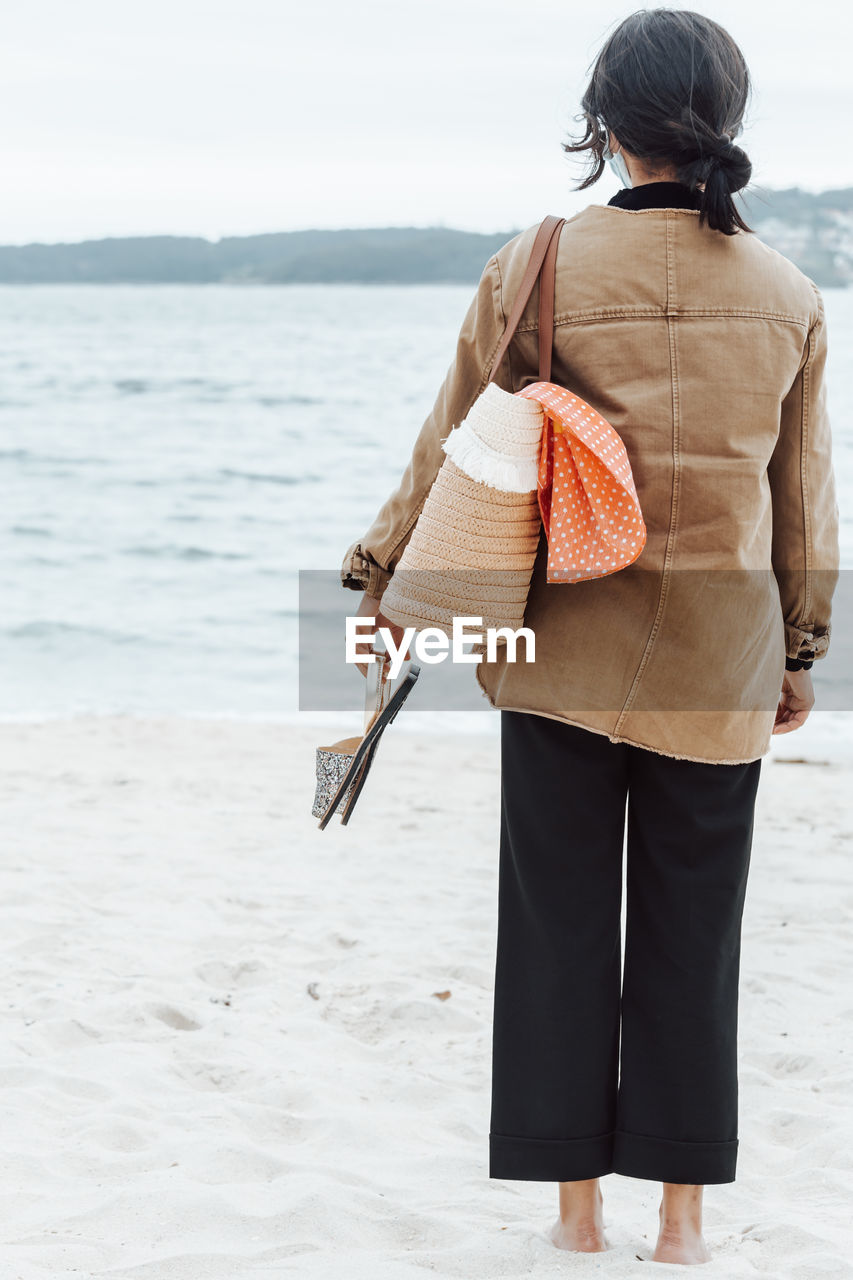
(796, 702)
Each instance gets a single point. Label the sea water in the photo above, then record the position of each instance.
(171, 456)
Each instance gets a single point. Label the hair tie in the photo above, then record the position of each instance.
(727, 146)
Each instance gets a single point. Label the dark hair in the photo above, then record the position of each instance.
(672, 86)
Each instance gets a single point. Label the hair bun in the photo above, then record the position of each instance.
(730, 164)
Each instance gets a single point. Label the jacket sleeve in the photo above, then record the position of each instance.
(805, 549)
(370, 562)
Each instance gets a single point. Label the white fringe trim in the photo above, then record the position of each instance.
(473, 456)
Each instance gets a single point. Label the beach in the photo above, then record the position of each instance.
(236, 1046)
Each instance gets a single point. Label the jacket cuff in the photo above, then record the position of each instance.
(806, 645)
(360, 572)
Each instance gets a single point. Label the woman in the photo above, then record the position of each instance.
(656, 689)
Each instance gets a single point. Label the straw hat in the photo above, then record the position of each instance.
(474, 544)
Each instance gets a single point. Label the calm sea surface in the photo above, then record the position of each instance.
(171, 456)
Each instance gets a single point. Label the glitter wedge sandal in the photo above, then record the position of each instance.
(343, 767)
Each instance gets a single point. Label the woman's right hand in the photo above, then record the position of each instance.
(796, 701)
(370, 608)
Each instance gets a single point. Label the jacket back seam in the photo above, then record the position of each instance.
(669, 551)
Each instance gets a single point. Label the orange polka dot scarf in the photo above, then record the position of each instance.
(587, 497)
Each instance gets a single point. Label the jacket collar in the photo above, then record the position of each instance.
(657, 195)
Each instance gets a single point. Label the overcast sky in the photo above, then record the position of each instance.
(215, 118)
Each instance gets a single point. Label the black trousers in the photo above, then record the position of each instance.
(569, 1101)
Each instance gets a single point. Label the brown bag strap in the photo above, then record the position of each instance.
(546, 305)
(543, 257)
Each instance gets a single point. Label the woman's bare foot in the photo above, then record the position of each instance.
(680, 1238)
(580, 1226)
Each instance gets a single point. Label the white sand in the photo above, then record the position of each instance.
(224, 1056)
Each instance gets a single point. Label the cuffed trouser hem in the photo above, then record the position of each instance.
(550, 1160)
(630, 1154)
(662, 1160)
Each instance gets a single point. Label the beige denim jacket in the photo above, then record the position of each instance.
(707, 354)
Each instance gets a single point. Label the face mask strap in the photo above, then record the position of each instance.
(616, 160)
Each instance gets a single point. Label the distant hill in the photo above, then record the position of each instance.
(815, 231)
(381, 255)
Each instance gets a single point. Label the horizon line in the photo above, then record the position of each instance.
(756, 189)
